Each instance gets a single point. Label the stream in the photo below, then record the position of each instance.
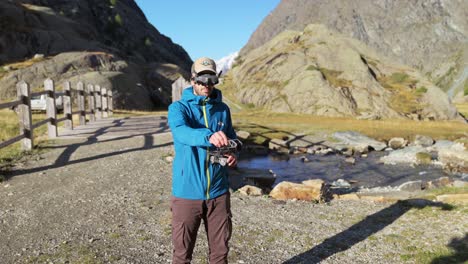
(366, 172)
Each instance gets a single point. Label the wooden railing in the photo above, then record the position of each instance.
(100, 105)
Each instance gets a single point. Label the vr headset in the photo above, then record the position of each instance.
(207, 79)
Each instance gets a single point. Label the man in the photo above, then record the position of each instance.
(200, 122)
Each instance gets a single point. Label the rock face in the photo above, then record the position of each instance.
(404, 30)
(109, 43)
(320, 71)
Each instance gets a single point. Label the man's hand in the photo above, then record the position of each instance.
(231, 160)
(219, 139)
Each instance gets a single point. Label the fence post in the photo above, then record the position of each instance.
(91, 106)
(67, 105)
(81, 103)
(105, 112)
(24, 114)
(98, 101)
(110, 102)
(51, 108)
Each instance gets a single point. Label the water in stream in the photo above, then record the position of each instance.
(366, 172)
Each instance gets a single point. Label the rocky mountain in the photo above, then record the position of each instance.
(323, 72)
(105, 42)
(224, 64)
(429, 35)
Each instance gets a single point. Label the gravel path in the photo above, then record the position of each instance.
(108, 202)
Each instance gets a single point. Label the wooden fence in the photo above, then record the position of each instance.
(100, 105)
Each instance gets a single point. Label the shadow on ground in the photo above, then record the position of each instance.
(64, 158)
(362, 230)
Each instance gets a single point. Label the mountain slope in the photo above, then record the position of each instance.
(320, 71)
(103, 42)
(429, 35)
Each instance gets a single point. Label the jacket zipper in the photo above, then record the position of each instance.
(207, 154)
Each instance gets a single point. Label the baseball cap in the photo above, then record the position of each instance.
(204, 64)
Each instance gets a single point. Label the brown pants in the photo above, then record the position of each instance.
(186, 219)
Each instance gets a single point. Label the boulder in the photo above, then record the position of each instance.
(421, 140)
(403, 156)
(455, 158)
(358, 141)
(397, 143)
(251, 190)
(440, 145)
(302, 141)
(441, 182)
(308, 190)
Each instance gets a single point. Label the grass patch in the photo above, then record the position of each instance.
(70, 254)
(333, 78)
(463, 109)
(278, 125)
(18, 65)
(421, 90)
(433, 193)
(404, 97)
(435, 255)
(465, 88)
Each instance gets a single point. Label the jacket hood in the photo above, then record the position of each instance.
(188, 95)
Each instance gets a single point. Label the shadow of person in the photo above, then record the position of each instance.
(362, 230)
(460, 246)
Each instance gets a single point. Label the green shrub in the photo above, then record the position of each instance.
(312, 68)
(421, 90)
(113, 2)
(423, 158)
(118, 20)
(148, 42)
(399, 77)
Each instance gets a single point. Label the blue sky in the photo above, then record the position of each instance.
(207, 27)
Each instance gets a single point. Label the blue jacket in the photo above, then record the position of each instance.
(192, 120)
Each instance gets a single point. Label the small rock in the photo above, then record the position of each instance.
(304, 159)
(350, 160)
(38, 56)
(169, 159)
(242, 135)
(348, 151)
(340, 183)
(250, 190)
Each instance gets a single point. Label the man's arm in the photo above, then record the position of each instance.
(181, 130)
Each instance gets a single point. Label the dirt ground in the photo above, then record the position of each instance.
(105, 199)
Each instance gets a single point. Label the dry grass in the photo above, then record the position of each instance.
(279, 124)
(9, 128)
(463, 109)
